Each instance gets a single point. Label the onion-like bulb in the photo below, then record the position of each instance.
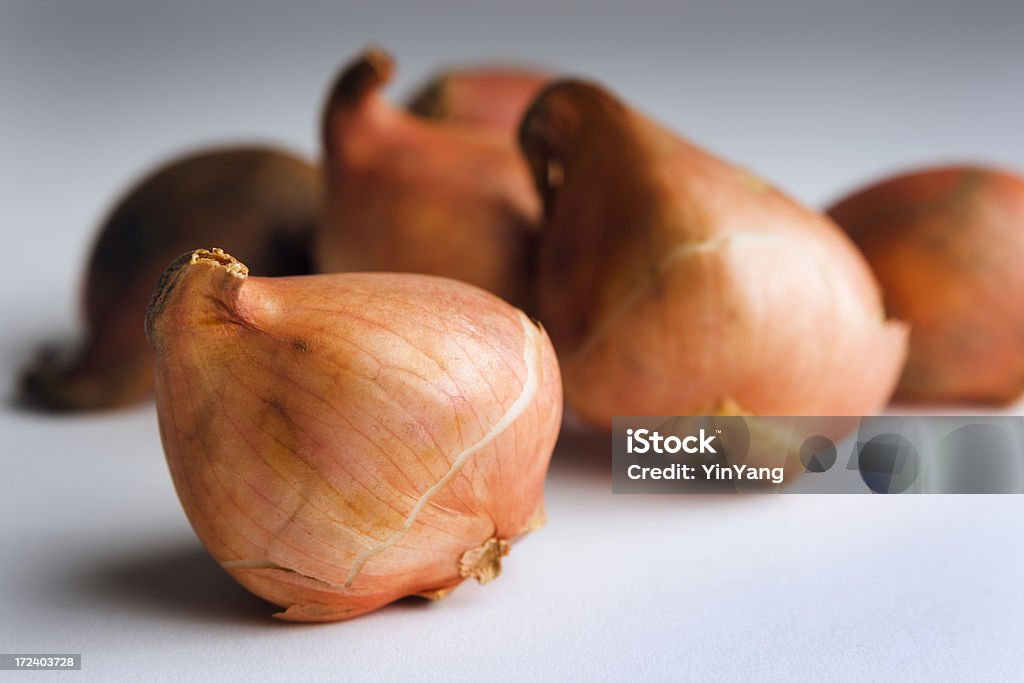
(947, 246)
(261, 203)
(341, 441)
(408, 194)
(673, 283)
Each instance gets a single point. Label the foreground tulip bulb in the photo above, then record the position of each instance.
(407, 194)
(341, 441)
(260, 202)
(947, 246)
(673, 283)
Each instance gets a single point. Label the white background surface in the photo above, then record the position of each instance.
(96, 555)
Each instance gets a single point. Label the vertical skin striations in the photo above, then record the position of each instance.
(341, 441)
(673, 283)
(406, 194)
(259, 202)
(947, 245)
(484, 97)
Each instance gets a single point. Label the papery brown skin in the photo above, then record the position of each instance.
(673, 283)
(260, 202)
(406, 194)
(491, 97)
(947, 246)
(306, 419)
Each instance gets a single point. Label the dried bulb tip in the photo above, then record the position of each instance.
(221, 259)
(372, 69)
(170, 278)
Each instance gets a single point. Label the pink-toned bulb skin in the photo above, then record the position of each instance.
(341, 441)
(674, 283)
(407, 194)
(488, 97)
(947, 245)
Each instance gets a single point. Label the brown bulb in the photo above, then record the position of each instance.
(261, 203)
(947, 245)
(405, 194)
(674, 283)
(341, 441)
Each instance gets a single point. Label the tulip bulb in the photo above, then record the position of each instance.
(261, 203)
(673, 283)
(406, 194)
(947, 246)
(341, 441)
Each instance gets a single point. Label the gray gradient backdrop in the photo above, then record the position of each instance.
(817, 97)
